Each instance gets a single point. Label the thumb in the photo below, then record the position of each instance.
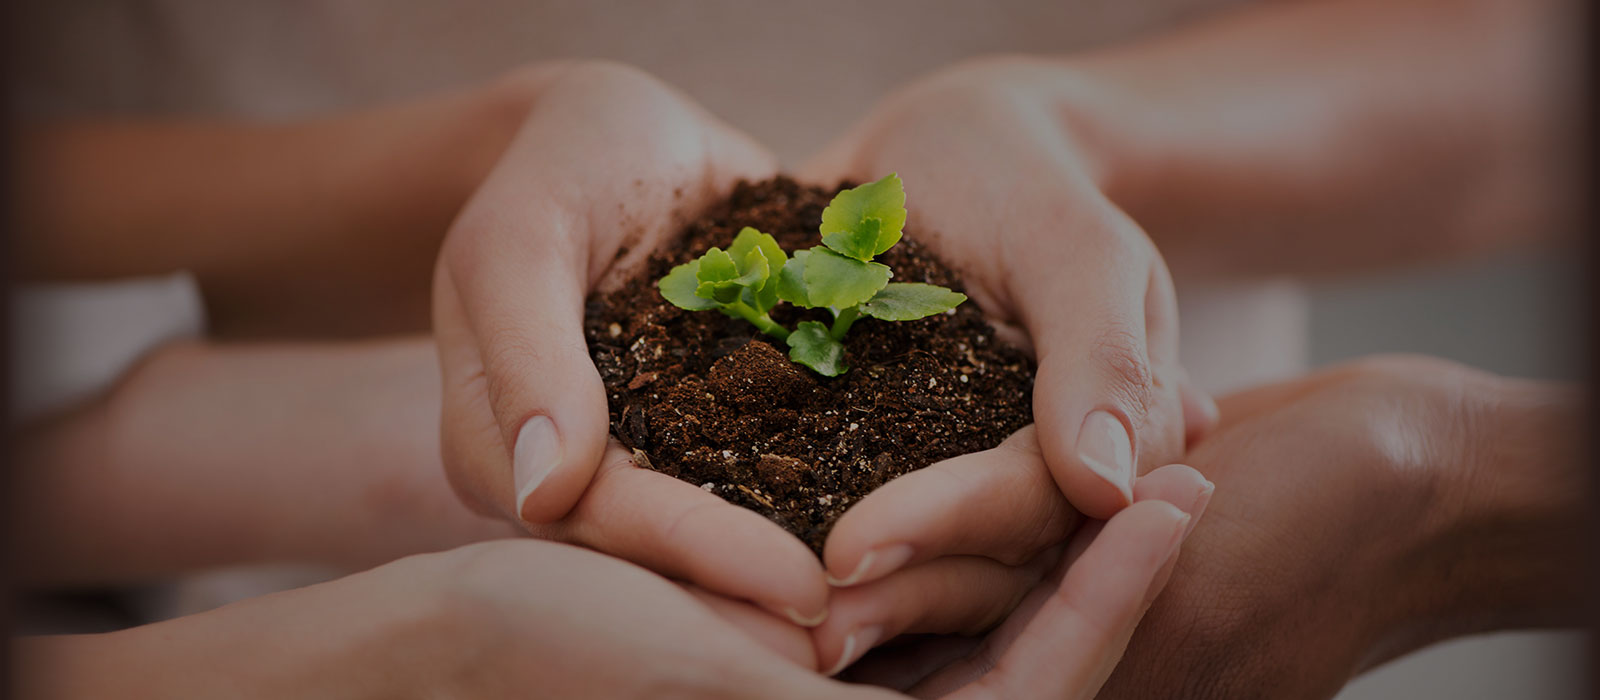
(1200, 413)
(1104, 391)
(525, 419)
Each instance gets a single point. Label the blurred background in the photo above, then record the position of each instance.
(1515, 316)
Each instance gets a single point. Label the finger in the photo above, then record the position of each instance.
(1000, 503)
(1096, 390)
(1200, 414)
(836, 161)
(789, 641)
(949, 595)
(524, 354)
(469, 439)
(905, 660)
(683, 532)
(784, 681)
(544, 226)
(1068, 647)
(1176, 409)
(1178, 484)
(1242, 405)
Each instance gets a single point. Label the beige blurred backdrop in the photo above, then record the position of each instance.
(793, 75)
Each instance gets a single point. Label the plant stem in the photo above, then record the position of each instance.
(759, 320)
(841, 322)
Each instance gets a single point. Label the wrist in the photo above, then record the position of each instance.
(358, 637)
(1505, 519)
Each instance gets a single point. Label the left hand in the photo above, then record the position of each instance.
(608, 165)
(999, 189)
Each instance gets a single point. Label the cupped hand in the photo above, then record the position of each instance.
(971, 595)
(574, 623)
(520, 617)
(608, 166)
(1331, 544)
(998, 186)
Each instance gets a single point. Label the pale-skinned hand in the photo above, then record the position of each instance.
(608, 166)
(998, 189)
(970, 595)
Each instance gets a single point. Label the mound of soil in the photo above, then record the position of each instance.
(710, 400)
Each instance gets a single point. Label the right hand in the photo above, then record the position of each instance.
(1000, 184)
(571, 623)
(608, 166)
(521, 618)
(515, 619)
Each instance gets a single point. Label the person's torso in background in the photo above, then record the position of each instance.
(791, 74)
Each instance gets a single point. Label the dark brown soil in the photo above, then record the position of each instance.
(712, 401)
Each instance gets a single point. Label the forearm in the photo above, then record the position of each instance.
(1323, 136)
(341, 639)
(205, 456)
(274, 219)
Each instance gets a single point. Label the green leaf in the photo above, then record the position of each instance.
(724, 284)
(810, 345)
(717, 266)
(753, 269)
(906, 301)
(838, 282)
(678, 287)
(864, 221)
(766, 296)
(792, 281)
(750, 239)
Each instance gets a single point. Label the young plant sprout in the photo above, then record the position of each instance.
(753, 275)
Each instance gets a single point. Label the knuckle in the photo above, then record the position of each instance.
(601, 71)
(1119, 356)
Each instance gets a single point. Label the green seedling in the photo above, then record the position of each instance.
(753, 275)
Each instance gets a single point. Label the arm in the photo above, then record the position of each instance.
(493, 620)
(215, 455)
(1332, 135)
(274, 219)
(1320, 136)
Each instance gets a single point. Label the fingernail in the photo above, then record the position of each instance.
(535, 456)
(1197, 506)
(856, 645)
(1178, 535)
(876, 564)
(1105, 448)
(802, 620)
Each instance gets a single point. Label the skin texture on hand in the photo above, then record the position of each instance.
(1363, 512)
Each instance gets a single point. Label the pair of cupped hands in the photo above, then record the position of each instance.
(1053, 543)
